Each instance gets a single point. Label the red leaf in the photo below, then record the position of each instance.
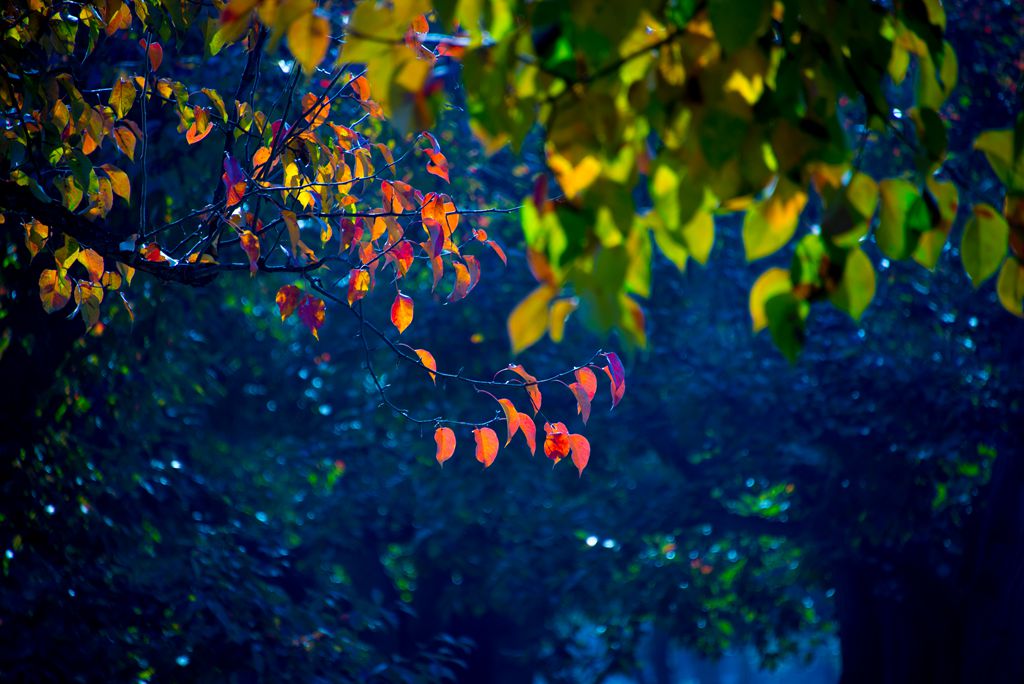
(200, 127)
(499, 251)
(311, 312)
(529, 430)
(486, 445)
(251, 246)
(473, 265)
(556, 444)
(617, 374)
(511, 418)
(234, 181)
(287, 299)
(351, 232)
(462, 282)
(531, 385)
(402, 255)
(362, 88)
(438, 165)
(587, 380)
(445, 439)
(582, 400)
(358, 285)
(401, 312)
(154, 52)
(580, 452)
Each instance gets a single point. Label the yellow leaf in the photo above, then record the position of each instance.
(770, 283)
(54, 290)
(770, 224)
(122, 96)
(529, 320)
(559, 314)
(118, 181)
(308, 39)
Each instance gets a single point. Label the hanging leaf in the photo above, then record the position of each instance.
(587, 381)
(93, 263)
(287, 299)
(54, 290)
(401, 312)
(556, 443)
(311, 312)
(531, 385)
(580, 447)
(309, 36)
(984, 242)
(200, 127)
(1010, 286)
(427, 359)
(358, 285)
(122, 96)
(529, 430)
(251, 247)
(445, 439)
(529, 320)
(486, 445)
(617, 374)
(511, 418)
(582, 401)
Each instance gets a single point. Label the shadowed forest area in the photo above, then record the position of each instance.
(303, 306)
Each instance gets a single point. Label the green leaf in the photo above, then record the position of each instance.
(737, 24)
(786, 315)
(998, 147)
(903, 216)
(1010, 287)
(984, 243)
(857, 288)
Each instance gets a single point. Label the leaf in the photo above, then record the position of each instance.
(529, 430)
(529, 320)
(54, 290)
(93, 263)
(402, 255)
(857, 288)
(559, 313)
(155, 53)
(736, 26)
(251, 247)
(200, 127)
(998, 146)
(308, 38)
(118, 181)
(358, 285)
(473, 266)
(511, 418)
(462, 280)
(445, 439)
(902, 218)
(361, 87)
(556, 443)
(312, 311)
(125, 141)
(587, 380)
(234, 180)
(499, 251)
(287, 299)
(617, 374)
(401, 312)
(580, 446)
(427, 359)
(292, 223)
(36, 235)
(531, 385)
(87, 300)
(122, 96)
(1010, 287)
(770, 283)
(582, 400)
(984, 243)
(438, 165)
(769, 224)
(486, 445)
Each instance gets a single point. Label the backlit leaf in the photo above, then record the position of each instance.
(311, 312)
(582, 400)
(529, 320)
(358, 285)
(770, 283)
(857, 288)
(251, 247)
(531, 386)
(486, 445)
(427, 359)
(511, 418)
(1010, 286)
(769, 224)
(902, 218)
(445, 439)
(93, 263)
(308, 39)
(559, 314)
(580, 446)
(587, 380)
(54, 290)
(401, 312)
(292, 223)
(122, 96)
(287, 299)
(556, 441)
(617, 374)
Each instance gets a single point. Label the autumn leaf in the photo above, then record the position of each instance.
(36, 235)
(473, 266)
(486, 445)
(401, 312)
(511, 418)
(287, 299)
(498, 250)
(361, 87)
(234, 180)
(587, 380)
(617, 374)
(118, 181)
(251, 247)
(445, 439)
(200, 127)
(531, 385)
(312, 311)
(292, 223)
(122, 96)
(358, 285)
(582, 401)
(529, 320)
(87, 301)
(529, 430)
(155, 53)
(351, 232)
(125, 140)
(556, 443)
(580, 447)
(427, 359)
(558, 314)
(438, 165)
(308, 39)
(54, 290)
(93, 263)
(462, 280)
(402, 256)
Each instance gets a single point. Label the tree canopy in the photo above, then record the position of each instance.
(521, 167)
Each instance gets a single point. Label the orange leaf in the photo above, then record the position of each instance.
(582, 401)
(54, 291)
(473, 265)
(529, 430)
(531, 385)
(427, 359)
(511, 418)
(420, 25)
(251, 246)
(156, 55)
(402, 255)
(462, 281)
(580, 451)
(556, 444)
(311, 312)
(358, 285)
(438, 165)
(587, 380)
(151, 252)
(93, 263)
(287, 299)
(362, 88)
(315, 110)
(200, 127)
(486, 445)
(125, 141)
(401, 312)
(292, 223)
(445, 439)
(499, 251)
